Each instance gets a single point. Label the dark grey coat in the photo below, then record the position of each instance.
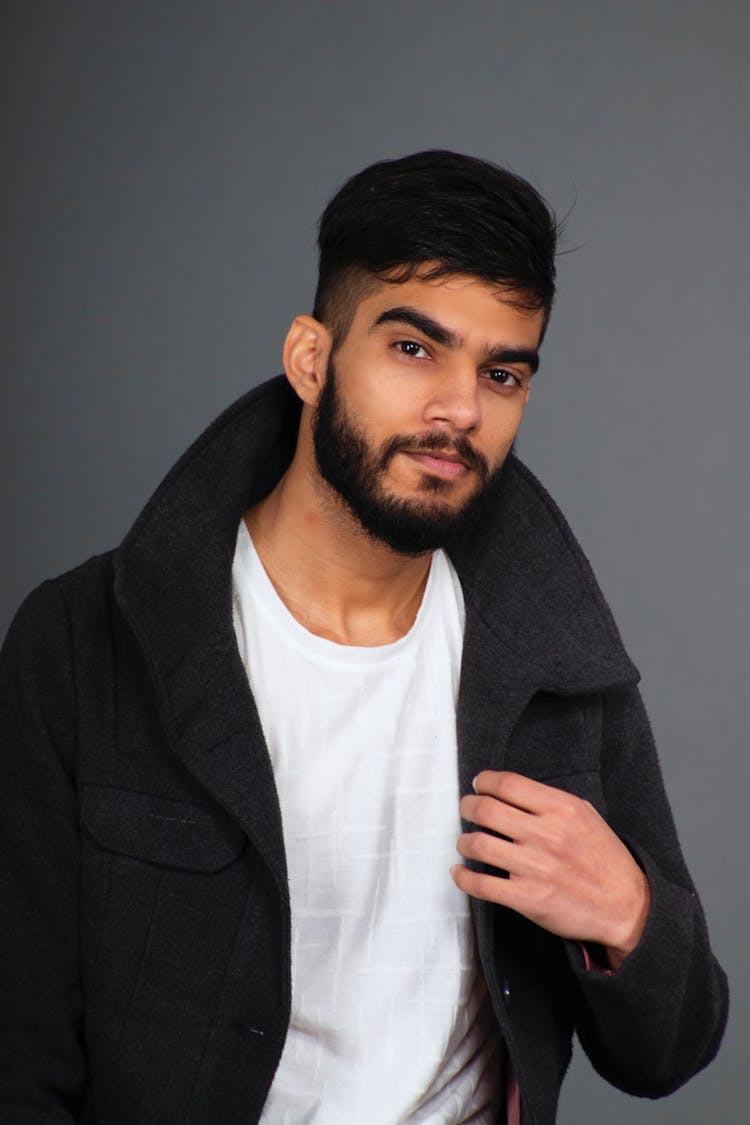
(144, 902)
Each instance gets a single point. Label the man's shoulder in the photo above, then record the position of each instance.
(61, 632)
(93, 575)
(58, 600)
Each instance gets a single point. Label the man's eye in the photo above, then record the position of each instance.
(504, 378)
(412, 349)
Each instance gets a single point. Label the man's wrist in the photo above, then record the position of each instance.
(623, 947)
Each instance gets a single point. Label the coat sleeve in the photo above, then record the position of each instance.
(42, 1071)
(659, 1019)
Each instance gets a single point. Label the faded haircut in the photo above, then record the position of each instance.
(458, 213)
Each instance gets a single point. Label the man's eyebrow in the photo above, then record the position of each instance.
(405, 314)
(529, 356)
(434, 330)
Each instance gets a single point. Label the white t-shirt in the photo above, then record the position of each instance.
(390, 1019)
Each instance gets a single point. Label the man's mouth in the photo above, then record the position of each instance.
(437, 454)
(443, 463)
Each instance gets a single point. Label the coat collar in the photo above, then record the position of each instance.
(526, 578)
(535, 616)
(172, 582)
(173, 570)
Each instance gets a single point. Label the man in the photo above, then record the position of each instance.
(349, 633)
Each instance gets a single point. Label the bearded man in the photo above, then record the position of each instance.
(349, 634)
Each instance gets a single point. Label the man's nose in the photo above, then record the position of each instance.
(454, 402)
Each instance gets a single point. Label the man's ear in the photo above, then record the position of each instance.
(305, 354)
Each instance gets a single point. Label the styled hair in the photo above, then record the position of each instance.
(458, 213)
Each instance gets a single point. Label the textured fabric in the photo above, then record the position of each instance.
(144, 951)
(365, 767)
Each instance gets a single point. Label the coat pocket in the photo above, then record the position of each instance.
(160, 830)
(165, 884)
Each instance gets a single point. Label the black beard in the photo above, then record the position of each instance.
(355, 471)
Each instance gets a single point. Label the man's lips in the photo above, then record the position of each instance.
(441, 463)
(438, 455)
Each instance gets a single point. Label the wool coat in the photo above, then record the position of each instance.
(145, 935)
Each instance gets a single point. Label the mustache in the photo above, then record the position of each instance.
(436, 443)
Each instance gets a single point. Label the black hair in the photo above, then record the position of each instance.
(459, 213)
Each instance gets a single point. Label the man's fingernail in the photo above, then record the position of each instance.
(474, 784)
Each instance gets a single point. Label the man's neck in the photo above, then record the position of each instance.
(335, 579)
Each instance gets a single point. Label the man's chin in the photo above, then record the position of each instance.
(413, 527)
(431, 500)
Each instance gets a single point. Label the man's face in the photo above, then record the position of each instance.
(421, 404)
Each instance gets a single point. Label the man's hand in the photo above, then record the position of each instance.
(568, 871)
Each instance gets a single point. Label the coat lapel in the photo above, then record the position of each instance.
(535, 619)
(491, 697)
(173, 585)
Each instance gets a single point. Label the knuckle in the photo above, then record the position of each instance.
(555, 839)
(486, 808)
(506, 783)
(480, 810)
(466, 845)
(480, 846)
(570, 808)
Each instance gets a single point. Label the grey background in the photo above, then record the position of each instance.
(163, 168)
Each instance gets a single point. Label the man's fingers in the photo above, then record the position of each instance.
(491, 888)
(568, 870)
(491, 813)
(529, 863)
(514, 789)
(488, 850)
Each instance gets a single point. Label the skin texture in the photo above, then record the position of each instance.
(446, 361)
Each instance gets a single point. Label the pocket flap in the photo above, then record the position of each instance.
(161, 830)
